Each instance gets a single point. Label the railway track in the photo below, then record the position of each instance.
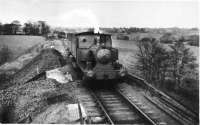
(117, 106)
(118, 109)
(112, 107)
(174, 112)
(168, 104)
(94, 113)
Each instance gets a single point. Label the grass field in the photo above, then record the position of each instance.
(129, 47)
(19, 43)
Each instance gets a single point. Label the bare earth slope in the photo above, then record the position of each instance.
(30, 93)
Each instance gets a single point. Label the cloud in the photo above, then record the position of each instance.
(77, 18)
(110, 13)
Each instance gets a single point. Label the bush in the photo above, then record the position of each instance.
(189, 87)
(61, 35)
(169, 84)
(122, 37)
(167, 38)
(5, 54)
(4, 77)
(4, 80)
(193, 43)
(193, 40)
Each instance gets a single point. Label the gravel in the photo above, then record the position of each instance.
(29, 93)
(28, 100)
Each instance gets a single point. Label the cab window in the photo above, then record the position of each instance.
(106, 40)
(88, 41)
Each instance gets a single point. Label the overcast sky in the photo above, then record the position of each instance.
(104, 13)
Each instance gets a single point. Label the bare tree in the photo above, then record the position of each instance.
(181, 60)
(15, 26)
(152, 60)
(44, 28)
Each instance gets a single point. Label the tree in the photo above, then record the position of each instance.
(27, 28)
(15, 26)
(44, 28)
(1, 28)
(31, 28)
(7, 29)
(10, 29)
(152, 60)
(36, 28)
(182, 61)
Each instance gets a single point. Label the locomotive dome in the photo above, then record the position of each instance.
(103, 56)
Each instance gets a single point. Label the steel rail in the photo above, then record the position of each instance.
(137, 108)
(128, 101)
(170, 101)
(102, 108)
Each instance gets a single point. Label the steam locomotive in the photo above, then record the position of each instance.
(94, 54)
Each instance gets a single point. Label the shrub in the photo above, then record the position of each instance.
(122, 37)
(193, 43)
(169, 84)
(5, 54)
(4, 77)
(61, 35)
(189, 87)
(167, 38)
(193, 40)
(4, 80)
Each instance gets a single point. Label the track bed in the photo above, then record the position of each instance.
(118, 109)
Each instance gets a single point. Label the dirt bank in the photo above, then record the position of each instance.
(27, 101)
(30, 93)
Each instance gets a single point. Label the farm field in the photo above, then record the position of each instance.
(195, 51)
(128, 48)
(127, 51)
(19, 43)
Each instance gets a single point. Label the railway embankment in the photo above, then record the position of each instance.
(166, 104)
(31, 95)
(44, 91)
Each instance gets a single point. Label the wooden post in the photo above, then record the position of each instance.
(80, 113)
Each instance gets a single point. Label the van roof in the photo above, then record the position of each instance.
(91, 33)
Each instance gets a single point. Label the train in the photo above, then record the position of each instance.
(94, 54)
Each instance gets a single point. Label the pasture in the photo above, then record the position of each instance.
(129, 47)
(19, 43)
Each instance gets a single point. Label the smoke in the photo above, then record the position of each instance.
(81, 18)
(97, 30)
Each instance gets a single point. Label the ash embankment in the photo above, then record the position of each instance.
(48, 59)
(31, 93)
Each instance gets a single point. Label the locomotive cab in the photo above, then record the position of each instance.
(96, 57)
